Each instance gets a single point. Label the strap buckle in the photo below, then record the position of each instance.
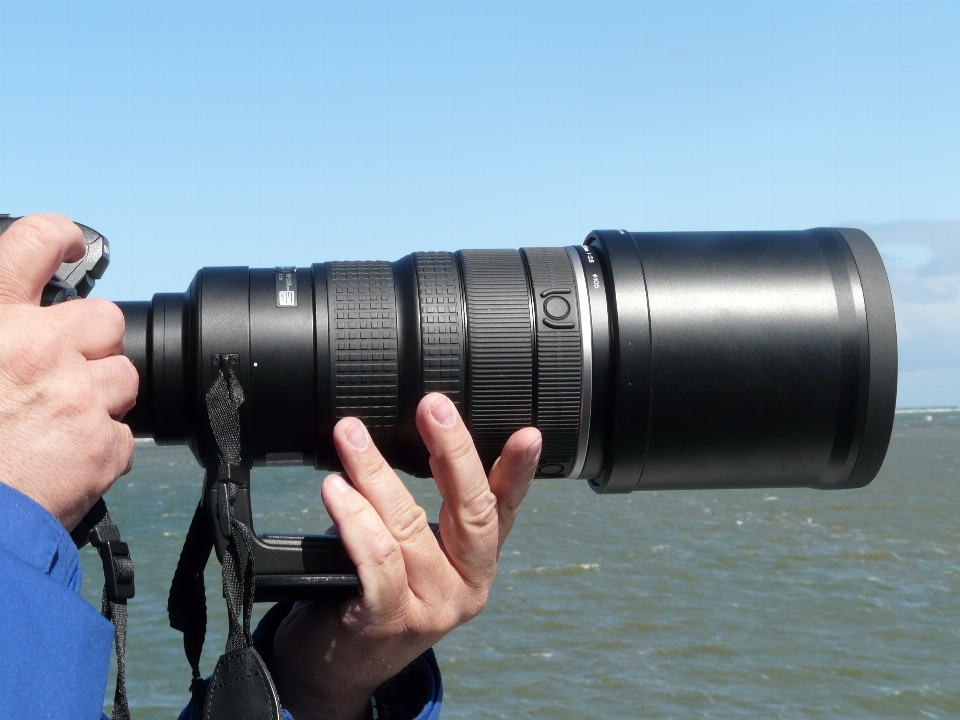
(117, 563)
(238, 476)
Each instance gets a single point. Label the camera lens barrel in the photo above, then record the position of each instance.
(647, 360)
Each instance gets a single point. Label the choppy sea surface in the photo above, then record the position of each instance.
(698, 604)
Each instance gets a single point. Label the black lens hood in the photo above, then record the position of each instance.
(746, 359)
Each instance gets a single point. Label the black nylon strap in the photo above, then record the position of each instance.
(224, 399)
(118, 587)
(238, 583)
(187, 602)
(116, 612)
(241, 679)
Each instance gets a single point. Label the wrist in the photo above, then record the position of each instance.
(305, 705)
(311, 684)
(313, 691)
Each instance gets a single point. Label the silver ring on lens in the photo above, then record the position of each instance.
(586, 364)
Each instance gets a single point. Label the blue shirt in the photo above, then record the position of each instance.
(55, 647)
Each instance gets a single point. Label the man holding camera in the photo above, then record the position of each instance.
(64, 389)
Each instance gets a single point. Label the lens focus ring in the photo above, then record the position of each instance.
(441, 324)
(499, 348)
(363, 339)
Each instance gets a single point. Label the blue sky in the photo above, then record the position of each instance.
(272, 134)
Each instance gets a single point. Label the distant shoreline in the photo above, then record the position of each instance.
(917, 411)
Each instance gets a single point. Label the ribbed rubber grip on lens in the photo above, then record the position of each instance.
(441, 325)
(499, 348)
(363, 343)
(559, 358)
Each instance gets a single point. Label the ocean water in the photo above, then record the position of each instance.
(703, 604)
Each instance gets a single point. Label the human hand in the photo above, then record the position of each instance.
(63, 384)
(417, 586)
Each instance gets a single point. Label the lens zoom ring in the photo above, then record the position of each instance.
(363, 339)
(559, 358)
(441, 324)
(499, 348)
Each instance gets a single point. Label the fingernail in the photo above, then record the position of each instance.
(443, 412)
(337, 483)
(532, 453)
(357, 435)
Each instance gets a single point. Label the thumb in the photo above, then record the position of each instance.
(31, 251)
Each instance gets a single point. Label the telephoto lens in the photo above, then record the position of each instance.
(649, 361)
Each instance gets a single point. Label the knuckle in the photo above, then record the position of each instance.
(481, 509)
(74, 399)
(33, 240)
(128, 375)
(128, 448)
(37, 230)
(372, 464)
(459, 447)
(511, 506)
(46, 231)
(353, 513)
(72, 402)
(411, 522)
(34, 357)
(121, 449)
(103, 452)
(93, 317)
(384, 552)
(110, 317)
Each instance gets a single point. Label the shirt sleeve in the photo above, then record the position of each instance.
(416, 693)
(54, 647)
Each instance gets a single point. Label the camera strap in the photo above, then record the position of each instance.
(74, 280)
(98, 529)
(187, 602)
(241, 687)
